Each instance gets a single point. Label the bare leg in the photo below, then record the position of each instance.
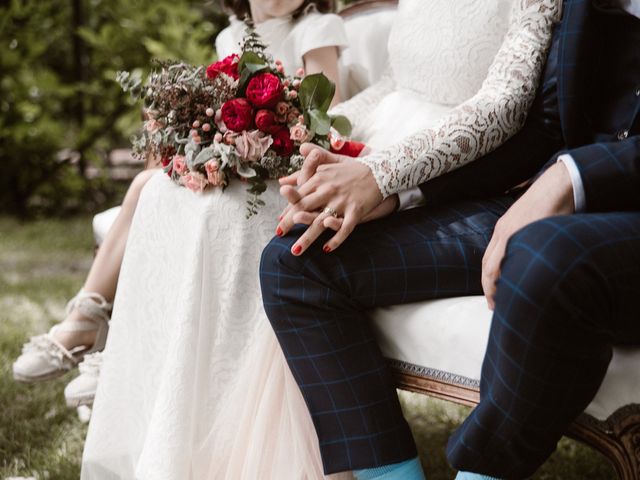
(104, 272)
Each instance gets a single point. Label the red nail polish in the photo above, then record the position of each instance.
(279, 231)
(326, 249)
(297, 249)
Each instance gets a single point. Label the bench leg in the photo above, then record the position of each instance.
(617, 438)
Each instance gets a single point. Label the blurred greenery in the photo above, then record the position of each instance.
(61, 110)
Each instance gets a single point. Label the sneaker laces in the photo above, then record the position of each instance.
(47, 344)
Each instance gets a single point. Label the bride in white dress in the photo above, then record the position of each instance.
(194, 385)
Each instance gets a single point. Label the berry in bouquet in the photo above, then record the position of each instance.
(239, 119)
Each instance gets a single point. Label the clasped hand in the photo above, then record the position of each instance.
(329, 183)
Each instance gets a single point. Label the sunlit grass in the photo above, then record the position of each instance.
(42, 264)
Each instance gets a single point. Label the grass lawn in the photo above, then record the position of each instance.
(42, 264)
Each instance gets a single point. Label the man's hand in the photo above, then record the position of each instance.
(334, 181)
(550, 195)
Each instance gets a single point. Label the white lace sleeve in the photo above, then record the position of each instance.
(483, 122)
(360, 105)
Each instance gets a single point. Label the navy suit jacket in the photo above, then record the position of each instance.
(610, 170)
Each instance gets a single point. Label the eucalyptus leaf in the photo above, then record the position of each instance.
(246, 171)
(316, 92)
(251, 61)
(249, 64)
(204, 156)
(320, 122)
(342, 125)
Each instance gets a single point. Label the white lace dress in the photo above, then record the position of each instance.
(194, 385)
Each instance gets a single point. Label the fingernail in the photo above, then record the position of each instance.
(326, 249)
(297, 249)
(280, 217)
(279, 231)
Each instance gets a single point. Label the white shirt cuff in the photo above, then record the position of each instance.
(579, 200)
(411, 198)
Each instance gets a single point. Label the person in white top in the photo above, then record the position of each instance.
(188, 304)
(299, 33)
(308, 38)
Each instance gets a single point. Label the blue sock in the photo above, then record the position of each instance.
(407, 470)
(474, 476)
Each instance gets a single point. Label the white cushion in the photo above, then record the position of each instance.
(102, 223)
(364, 61)
(446, 339)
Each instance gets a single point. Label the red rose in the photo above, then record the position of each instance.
(264, 90)
(237, 114)
(228, 65)
(351, 148)
(282, 143)
(165, 163)
(266, 121)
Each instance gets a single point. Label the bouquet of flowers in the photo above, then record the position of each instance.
(240, 118)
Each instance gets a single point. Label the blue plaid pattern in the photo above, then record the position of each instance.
(318, 303)
(610, 174)
(569, 290)
(566, 293)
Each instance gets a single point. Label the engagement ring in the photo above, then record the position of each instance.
(330, 211)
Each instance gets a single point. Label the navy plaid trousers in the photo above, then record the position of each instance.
(317, 304)
(569, 290)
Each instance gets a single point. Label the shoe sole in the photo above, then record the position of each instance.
(42, 378)
(79, 402)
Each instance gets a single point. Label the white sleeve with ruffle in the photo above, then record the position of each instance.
(480, 124)
(318, 30)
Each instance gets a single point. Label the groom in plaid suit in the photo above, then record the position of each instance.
(559, 263)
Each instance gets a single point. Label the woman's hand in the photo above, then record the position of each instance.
(340, 184)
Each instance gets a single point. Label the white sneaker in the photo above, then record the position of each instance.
(45, 358)
(82, 389)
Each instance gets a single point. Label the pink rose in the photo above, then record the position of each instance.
(214, 175)
(196, 182)
(266, 121)
(264, 91)
(229, 138)
(299, 133)
(228, 65)
(237, 114)
(179, 164)
(253, 145)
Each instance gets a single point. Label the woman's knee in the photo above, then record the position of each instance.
(277, 259)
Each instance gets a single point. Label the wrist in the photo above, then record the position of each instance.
(561, 189)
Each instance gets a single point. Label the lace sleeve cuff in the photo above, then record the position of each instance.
(483, 122)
